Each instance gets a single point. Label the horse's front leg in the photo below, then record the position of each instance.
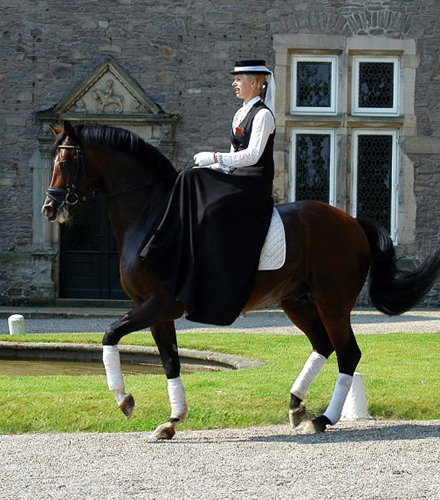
(115, 380)
(152, 311)
(164, 335)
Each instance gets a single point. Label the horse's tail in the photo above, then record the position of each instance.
(392, 291)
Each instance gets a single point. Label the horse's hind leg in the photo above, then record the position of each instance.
(348, 353)
(305, 316)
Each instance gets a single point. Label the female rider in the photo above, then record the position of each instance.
(207, 245)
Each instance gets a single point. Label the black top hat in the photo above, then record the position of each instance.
(250, 66)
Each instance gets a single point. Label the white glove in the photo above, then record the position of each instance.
(204, 159)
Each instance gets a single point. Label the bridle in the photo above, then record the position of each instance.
(71, 174)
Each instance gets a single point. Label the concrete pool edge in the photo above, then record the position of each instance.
(60, 351)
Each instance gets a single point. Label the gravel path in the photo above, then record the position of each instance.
(361, 460)
(268, 321)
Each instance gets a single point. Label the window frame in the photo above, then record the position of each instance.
(311, 110)
(380, 112)
(292, 166)
(394, 208)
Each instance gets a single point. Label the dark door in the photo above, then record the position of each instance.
(88, 255)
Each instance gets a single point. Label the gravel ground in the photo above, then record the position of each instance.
(360, 460)
(268, 321)
(354, 460)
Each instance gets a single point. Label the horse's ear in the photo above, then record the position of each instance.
(69, 131)
(55, 130)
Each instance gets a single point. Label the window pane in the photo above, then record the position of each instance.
(376, 84)
(313, 84)
(313, 167)
(375, 156)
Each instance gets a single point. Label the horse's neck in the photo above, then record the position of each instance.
(131, 211)
(133, 192)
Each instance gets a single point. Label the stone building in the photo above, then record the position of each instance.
(358, 113)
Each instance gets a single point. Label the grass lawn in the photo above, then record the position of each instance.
(401, 375)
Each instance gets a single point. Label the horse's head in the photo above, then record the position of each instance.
(69, 178)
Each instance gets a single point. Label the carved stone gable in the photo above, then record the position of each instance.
(108, 89)
(109, 95)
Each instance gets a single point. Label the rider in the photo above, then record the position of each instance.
(206, 247)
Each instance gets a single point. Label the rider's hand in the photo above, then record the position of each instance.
(203, 159)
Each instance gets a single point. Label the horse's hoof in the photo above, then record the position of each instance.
(297, 415)
(164, 431)
(127, 405)
(317, 425)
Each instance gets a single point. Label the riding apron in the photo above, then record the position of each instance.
(207, 242)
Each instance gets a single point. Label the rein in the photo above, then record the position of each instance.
(136, 188)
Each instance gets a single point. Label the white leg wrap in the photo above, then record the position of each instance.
(176, 394)
(311, 369)
(343, 384)
(112, 364)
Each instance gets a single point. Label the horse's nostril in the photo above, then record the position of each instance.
(48, 212)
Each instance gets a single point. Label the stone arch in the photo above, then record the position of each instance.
(360, 21)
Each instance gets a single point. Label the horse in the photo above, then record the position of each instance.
(328, 257)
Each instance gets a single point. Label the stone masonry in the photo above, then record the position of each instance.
(180, 53)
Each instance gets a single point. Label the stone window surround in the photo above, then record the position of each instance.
(394, 111)
(344, 122)
(332, 109)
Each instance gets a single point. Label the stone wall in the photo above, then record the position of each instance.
(180, 53)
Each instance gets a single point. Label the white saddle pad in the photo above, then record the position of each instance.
(273, 254)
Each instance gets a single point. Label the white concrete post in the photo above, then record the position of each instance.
(16, 324)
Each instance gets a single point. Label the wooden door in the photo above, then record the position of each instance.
(88, 256)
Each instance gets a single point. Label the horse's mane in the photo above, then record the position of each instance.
(121, 140)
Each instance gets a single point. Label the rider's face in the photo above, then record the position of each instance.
(244, 87)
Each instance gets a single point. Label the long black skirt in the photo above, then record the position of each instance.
(206, 246)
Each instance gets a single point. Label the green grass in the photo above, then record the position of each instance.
(401, 375)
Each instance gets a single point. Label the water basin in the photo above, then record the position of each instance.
(36, 368)
(50, 358)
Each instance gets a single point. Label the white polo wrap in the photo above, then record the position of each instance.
(112, 364)
(334, 410)
(176, 394)
(311, 369)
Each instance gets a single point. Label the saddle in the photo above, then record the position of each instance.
(273, 253)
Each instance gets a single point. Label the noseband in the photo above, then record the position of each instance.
(71, 174)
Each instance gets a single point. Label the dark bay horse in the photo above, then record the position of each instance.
(329, 254)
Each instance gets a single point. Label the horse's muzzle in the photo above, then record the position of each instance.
(48, 210)
(54, 211)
